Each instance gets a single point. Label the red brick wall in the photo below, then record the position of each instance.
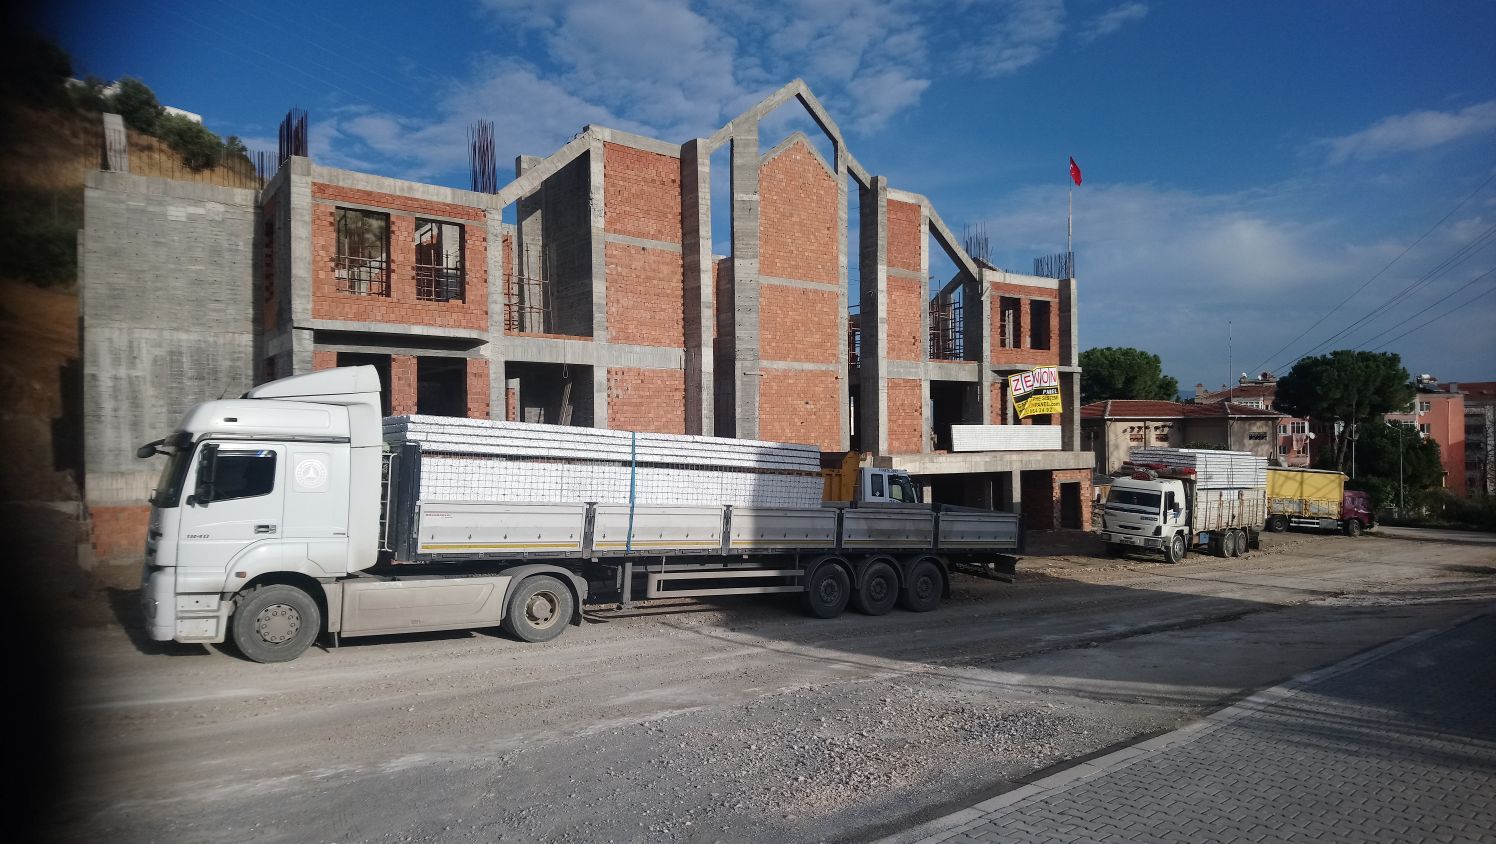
(1024, 355)
(905, 244)
(401, 307)
(402, 385)
(477, 388)
(645, 296)
(641, 194)
(903, 320)
(799, 324)
(1041, 497)
(905, 417)
(322, 359)
(801, 406)
(996, 412)
(119, 532)
(798, 217)
(647, 400)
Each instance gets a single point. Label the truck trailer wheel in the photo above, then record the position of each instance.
(922, 592)
(827, 591)
(275, 623)
(879, 590)
(1277, 524)
(1353, 527)
(538, 609)
(1238, 542)
(1174, 552)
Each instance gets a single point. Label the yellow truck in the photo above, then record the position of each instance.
(1316, 499)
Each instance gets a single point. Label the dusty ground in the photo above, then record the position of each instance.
(740, 720)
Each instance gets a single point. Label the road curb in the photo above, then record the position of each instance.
(952, 825)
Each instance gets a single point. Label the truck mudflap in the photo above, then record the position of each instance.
(1003, 567)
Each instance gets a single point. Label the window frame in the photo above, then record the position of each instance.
(439, 282)
(360, 275)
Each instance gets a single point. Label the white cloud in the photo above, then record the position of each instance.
(1411, 132)
(1023, 32)
(1111, 20)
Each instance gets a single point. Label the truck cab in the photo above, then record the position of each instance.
(845, 481)
(282, 483)
(1144, 513)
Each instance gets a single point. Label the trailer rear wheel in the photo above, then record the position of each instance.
(275, 623)
(879, 590)
(1277, 524)
(1219, 544)
(1238, 542)
(1353, 527)
(922, 592)
(827, 591)
(1174, 552)
(538, 609)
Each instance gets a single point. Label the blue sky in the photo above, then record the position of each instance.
(1255, 163)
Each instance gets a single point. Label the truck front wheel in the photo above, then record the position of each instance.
(275, 623)
(1277, 524)
(538, 609)
(1175, 550)
(1353, 527)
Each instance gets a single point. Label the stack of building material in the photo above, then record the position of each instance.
(482, 460)
(1213, 469)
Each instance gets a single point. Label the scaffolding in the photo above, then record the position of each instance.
(529, 305)
(947, 329)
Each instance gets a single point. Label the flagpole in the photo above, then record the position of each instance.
(1070, 222)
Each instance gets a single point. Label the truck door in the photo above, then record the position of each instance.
(317, 503)
(236, 501)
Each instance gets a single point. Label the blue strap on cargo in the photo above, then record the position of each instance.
(628, 542)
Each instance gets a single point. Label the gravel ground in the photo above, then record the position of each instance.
(735, 720)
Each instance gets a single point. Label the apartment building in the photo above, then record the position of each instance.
(587, 292)
(1480, 437)
(1438, 413)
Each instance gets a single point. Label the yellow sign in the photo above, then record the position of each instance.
(1036, 391)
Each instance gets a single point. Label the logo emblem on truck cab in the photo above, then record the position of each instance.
(311, 473)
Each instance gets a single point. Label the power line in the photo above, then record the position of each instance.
(1435, 319)
(1451, 262)
(1378, 273)
(1368, 341)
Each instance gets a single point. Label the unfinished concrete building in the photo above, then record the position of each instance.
(587, 292)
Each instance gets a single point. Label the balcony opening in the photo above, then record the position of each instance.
(1039, 314)
(548, 393)
(953, 403)
(441, 386)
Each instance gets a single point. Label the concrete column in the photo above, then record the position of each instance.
(696, 260)
(596, 219)
(926, 409)
(978, 296)
(529, 243)
(299, 185)
(497, 270)
(745, 252)
(1010, 484)
(1070, 417)
(873, 387)
(842, 294)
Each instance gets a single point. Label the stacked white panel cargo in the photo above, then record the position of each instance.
(1213, 469)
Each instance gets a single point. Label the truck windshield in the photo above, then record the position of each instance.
(178, 448)
(1133, 500)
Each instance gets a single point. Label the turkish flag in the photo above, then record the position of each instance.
(1074, 171)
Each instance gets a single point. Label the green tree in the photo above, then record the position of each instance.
(1124, 373)
(137, 104)
(199, 147)
(1378, 447)
(1346, 386)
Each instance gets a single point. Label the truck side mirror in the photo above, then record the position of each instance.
(207, 470)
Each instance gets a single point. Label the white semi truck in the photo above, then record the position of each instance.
(1174, 500)
(286, 514)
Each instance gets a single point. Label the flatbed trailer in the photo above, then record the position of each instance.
(289, 513)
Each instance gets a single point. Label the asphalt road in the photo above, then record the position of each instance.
(736, 720)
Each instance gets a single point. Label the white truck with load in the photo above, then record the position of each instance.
(1172, 500)
(296, 511)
